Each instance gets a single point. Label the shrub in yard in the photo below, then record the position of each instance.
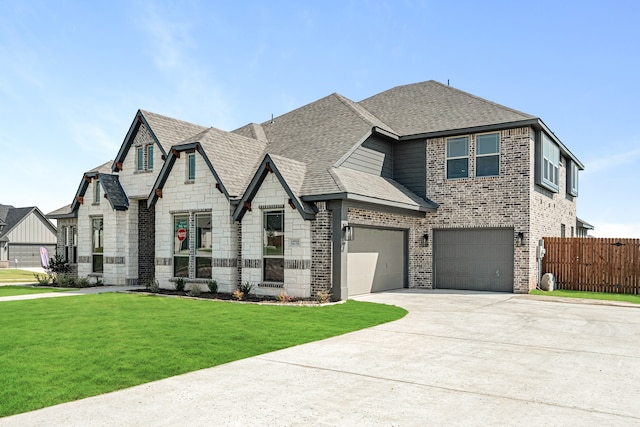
(42, 279)
(213, 286)
(66, 280)
(58, 265)
(195, 291)
(283, 297)
(154, 285)
(323, 297)
(98, 281)
(246, 288)
(180, 284)
(83, 282)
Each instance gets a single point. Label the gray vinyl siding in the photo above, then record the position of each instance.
(410, 166)
(374, 156)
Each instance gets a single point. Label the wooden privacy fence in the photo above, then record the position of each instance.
(595, 265)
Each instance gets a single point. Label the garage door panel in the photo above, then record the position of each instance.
(474, 259)
(376, 260)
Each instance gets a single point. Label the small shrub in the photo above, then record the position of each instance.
(283, 297)
(324, 297)
(154, 285)
(195, 291)
(238, 294)
(245, 288)
(83, 282)
(213, 286)
(58, 265)
(66, 281)
(98, 281)
(180, 284)
(42, 279)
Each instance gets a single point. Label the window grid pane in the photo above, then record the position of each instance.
(150, 157)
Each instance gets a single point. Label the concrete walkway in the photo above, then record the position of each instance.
(83, 291)
(457, 358)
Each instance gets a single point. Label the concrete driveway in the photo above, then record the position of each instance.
(457, 358)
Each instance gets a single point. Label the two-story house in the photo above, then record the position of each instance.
(419, 186)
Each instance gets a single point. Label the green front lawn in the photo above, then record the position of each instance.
(63, 349)
(635, 299)
(8, 291)
(11, 275)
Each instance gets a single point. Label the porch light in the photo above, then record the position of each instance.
(520, 238)
(347, 233)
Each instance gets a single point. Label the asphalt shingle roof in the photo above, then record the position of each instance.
(317, 134)
(234, 157)
(114, 191)
(431, 107)
(170, 131)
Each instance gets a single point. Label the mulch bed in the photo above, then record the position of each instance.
(225, 297)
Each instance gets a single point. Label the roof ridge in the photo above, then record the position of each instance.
(353, 106)
(486, 101)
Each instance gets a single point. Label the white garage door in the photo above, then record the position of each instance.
(474, 259)
(376, 260)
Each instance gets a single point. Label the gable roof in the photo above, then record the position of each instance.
(63, 212)
(110, 185)
(290, 174)
(231, 158)
(164, 131)
(318, 135)
(11, 217)
(431, 107)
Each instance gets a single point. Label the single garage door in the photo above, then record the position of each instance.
(473, 259)
(27, 255)
(376, 260)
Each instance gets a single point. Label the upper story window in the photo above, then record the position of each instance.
(488, 154)
(144, 158)
(96, 192)
(572, 178)
(548, 163)
(191, 167)
(458, 157)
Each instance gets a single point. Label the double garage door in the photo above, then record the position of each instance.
(473, 259)
(376, 260)
(27, 255)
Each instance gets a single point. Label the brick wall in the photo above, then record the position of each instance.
(146, 242)
(321, 250)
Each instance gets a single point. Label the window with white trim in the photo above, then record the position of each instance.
(70, 244)
(273, 246)
(488, 154)
(458, 157)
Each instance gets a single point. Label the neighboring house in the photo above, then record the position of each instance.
(420, 186)
(582, 228)
(23, 231)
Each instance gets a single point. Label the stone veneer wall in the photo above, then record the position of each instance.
(321, 250)
(297, 242)
(200, 196)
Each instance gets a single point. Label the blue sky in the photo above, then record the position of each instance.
(74, 73)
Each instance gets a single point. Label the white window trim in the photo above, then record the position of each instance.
(190, 178)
